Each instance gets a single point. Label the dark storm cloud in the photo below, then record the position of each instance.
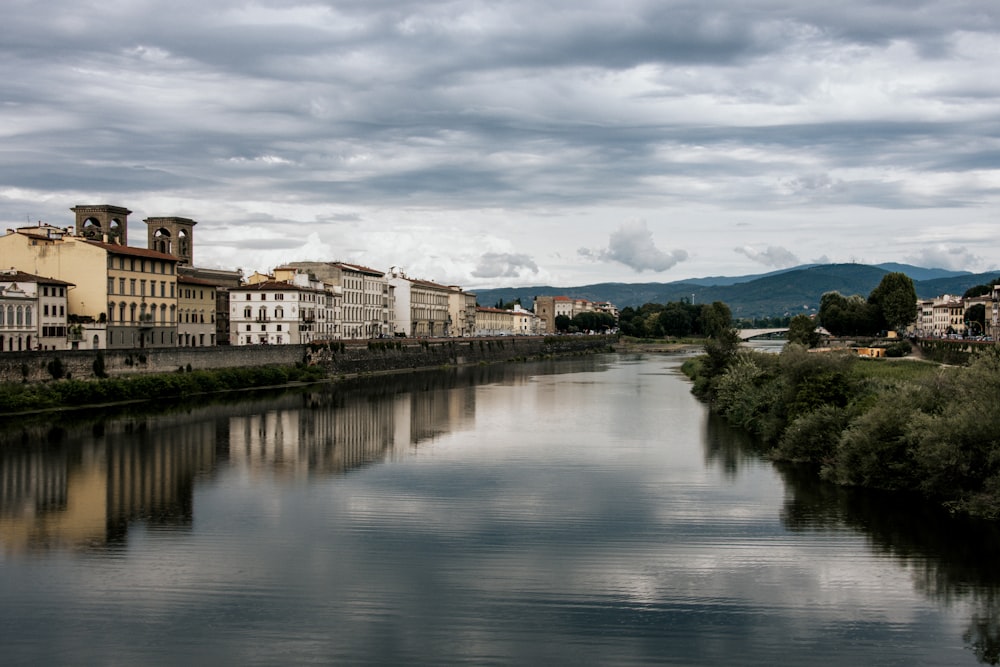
(547, 107)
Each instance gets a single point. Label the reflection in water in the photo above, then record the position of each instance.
(920, 536)
(95, 474)
(577, 515)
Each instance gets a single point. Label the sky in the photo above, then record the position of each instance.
(515, 143)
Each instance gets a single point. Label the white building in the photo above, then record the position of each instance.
(278, 313)
(33, 312)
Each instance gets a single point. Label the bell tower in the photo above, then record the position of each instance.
(101, 222)
(173, 236)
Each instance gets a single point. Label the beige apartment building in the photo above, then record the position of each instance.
(461, 312)
(196, 302)
(131, 293)
(367, 301)
(494, 321)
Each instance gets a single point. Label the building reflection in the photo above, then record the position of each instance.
(80, 484)
(81, 493)
(335, 431)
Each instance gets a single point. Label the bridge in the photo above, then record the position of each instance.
(747, 334)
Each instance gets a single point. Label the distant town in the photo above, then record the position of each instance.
(85, 288)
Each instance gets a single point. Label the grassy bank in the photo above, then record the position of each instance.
(18, 398)
(887, 424)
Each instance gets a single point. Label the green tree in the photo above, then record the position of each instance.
(848, 315)
(895, 300)
(976, 315)
(802, 330)
(676, 320)
(563, 322)
(715, 319)
(979, 290)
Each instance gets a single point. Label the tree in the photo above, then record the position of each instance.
(976, 315)
(895, 300)
(715, 319)
(676, 320)
(979, 290)
(802, 330)
(563, 322)
(848, 315)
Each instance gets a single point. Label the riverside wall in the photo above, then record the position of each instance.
(341, 357)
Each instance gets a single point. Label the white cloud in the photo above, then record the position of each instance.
(775, 256)
(632, 245)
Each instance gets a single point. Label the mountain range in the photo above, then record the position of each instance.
(775, 294)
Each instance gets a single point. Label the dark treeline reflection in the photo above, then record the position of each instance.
(953, 559)
(77, 480)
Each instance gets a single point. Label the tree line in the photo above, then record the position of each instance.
(909, 427)
(676, 319)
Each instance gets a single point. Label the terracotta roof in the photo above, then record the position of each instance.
(428, 283)
(359, 268)
(129, 250)
(195, 281)
(273, 286)
(22, 277)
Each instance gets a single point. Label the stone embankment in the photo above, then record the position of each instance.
(338, 358)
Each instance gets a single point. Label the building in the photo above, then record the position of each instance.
(494, 321)
(421, 307)
(548, 308)
(174, 236)
(196, 303)
(525, 322)
(126, 296)
(279, 313)
(367, 300)
(461, 312)
(33, 313)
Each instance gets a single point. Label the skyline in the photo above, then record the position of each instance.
(516, 143)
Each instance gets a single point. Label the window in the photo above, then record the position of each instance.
(45, 310)
(142, 288)
(121, 285)
(279, 327)
(247, 313)
(131, 286)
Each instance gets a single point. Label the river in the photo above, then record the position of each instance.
(585, 511)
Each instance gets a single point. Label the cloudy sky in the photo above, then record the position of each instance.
(521, 142)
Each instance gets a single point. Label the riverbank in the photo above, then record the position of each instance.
(61, 380)
(914, 427)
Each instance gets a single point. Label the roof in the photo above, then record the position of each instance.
(129, 250)
(187, 280)
(359, 268)
(14, 275)
(274, 286)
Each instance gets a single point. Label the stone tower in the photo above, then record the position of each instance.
(173, 236)
(102, 223)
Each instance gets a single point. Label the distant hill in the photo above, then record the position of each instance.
(786, 292)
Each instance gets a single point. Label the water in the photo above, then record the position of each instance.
(568, 512)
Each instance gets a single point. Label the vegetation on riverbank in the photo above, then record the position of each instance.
(895, 425)
(16, 398)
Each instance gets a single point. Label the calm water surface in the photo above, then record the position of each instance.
(571, 512)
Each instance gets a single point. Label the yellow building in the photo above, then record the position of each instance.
(195, 312)
(131, 291)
